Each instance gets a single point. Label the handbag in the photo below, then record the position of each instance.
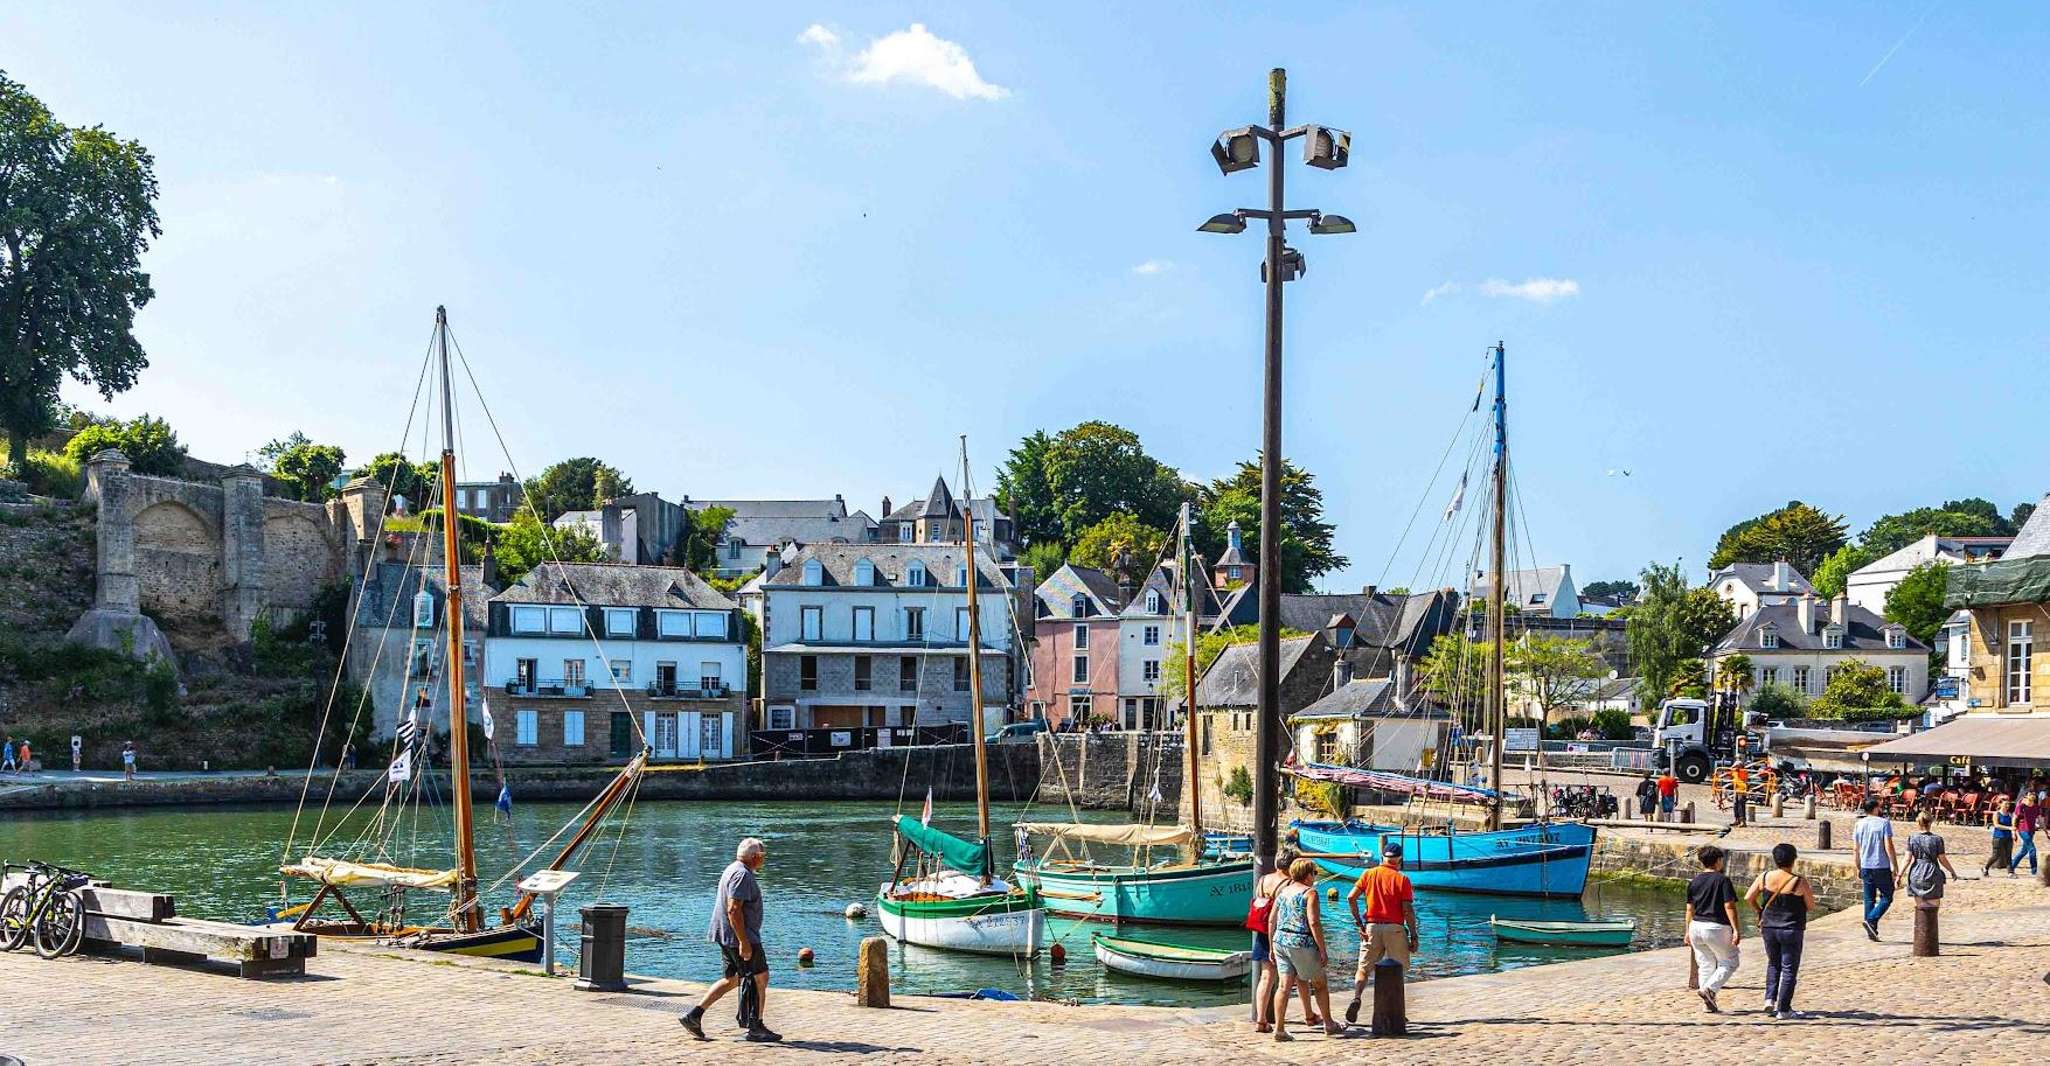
(1260, 912)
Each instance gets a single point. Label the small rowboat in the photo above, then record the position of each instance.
(1608, 934)
(1172, 962)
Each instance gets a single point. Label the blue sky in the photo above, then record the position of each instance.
(740, 257)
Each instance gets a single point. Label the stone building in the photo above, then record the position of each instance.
(397, 651)
(1800, 645)
(1227, 700)
(493, 501)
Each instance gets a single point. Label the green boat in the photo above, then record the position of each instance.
(1592, 934)
(1171, 962)
(1176, 892)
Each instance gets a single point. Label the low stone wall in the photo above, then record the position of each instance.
(1836, 883)
(1113, 771)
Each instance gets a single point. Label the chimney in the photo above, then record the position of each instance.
(1840, 609)
(1341, 673)
(1402, 681)
(1369, 590)
(490, 569)
(1804, 609)
(886, 508)
(1781, 581)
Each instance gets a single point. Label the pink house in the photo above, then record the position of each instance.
(1075, 648)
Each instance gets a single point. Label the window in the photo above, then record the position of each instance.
(619, 622)
(961, 623)
(814, 574)
(811, 623)
(572, 671)
(2021, 654)
(914, 623)
(861, 673)
(1078, 708)
(709, 675)
(529, 620)
(572, 729)
(665, 676)
(864, 623)
(1327, 746)
(1080, 674)
(525, 671)
(808, 673)
(526, 728)
(423, 610)
(565, 620)
(906, 532)
(782, 718)
(1768, 675)
(622, 670)
(907, 716)
(864, 573)
(1150, 671)
(907, 674)
(1081, 637)
(1833, 638)
(710, 624)
(673, 623)
(1153, 601)
(1768, 636)
(423, 658)
(1829, 676)
(1152, 636)
(961, 576)
(1896, 637)
(1800, 679)
(1537, 599)
(1079, 606)
(1897, 680)
(733, 547)
(914, 575)
(961, 674)
(1206, 720)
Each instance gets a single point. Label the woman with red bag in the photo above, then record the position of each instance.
(1260, 919)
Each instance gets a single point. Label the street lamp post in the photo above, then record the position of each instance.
(1235, 150)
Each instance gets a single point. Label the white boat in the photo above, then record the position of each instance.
(998, 921)
(1170, 962)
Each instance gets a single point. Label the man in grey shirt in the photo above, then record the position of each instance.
(736, 927)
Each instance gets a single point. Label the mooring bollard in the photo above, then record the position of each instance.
(872, 973)
(1687, 813)
(1779, 805)
(601, 962)
(1822, 835)
(1391, 1012)
(1926, 942)
(1808, 807)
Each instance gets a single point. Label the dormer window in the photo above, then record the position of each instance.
(914, 575)
(423, 610)
(814, 574)
(1833, 638)
(1537, 599)
(1153, 602)
(906, 532)
(961, 576)
(864, 573)
(1896, 637)
(1079, 606)
(1768, 636)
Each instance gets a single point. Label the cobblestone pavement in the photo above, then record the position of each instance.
(1983, 1001)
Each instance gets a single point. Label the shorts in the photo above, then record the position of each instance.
(1262, 948)
(738, 967)
(1299, 962)
(1667, 803)
(1384, 940)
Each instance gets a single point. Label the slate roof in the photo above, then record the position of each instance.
(1367, 699)
(1208, 604)
(776, 522)
(940, 502)
(389, 588)
(2034, 537)
(1758, 578)
(1056, 594)
(614, 585)
(1380, 619)
(1863, 631)
(1234, 679)
(837, 562)
(1522, 585)
(1232, 556)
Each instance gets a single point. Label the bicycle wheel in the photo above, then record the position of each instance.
(14, 925)
(62, 924)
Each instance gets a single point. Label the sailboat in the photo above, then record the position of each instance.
(462, 928)
(1545, 858)
(951, 897)
(1191, 889)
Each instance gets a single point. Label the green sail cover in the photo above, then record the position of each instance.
(2007, 581)
(969, 857)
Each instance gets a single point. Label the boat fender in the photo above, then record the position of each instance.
(805, 957)
(1057, 953)
(856, 912)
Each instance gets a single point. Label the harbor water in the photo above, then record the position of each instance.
(221, 863)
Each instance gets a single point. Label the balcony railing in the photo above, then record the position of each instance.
(549, 687)
(707, 689)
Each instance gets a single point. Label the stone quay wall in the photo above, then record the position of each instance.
(1836, 881)
(1113, 771)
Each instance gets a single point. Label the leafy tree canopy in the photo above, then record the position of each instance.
(2019, 517)
(1044, 557)
(1834, 575)
(1619, 590)
(1917, 602)
(1025, 494)
(699, 548)
(1779, 702)
(148, 442)
(398, 477)
(1097, 469)
(1307, 551)
(77, 210)
(524, 543)
(1672, 625)
(1120, 545)
(575, 485)
(1798, 533)
(307, 469)
(1955, 518)
(1856, 690)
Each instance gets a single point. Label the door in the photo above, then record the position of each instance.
(688, 735)
(524, 671)
(710, 745)
(622, 734)
(665, 735)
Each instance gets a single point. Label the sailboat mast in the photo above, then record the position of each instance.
(1498, 718)
(1191, 782)
(974, 651)
(466, 917)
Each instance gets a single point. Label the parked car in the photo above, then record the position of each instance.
(1017, 732)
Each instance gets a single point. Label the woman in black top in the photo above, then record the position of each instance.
(1783, 899)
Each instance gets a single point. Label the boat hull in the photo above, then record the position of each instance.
(1170, 962)
(1206, 893)
(518, 943)
(1568, 934)
(1010, 924)
(1549, 860)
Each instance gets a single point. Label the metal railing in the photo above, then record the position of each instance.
(549, 687)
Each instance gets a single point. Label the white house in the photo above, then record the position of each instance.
(1869, 584)
(1152, 619)
(1800, 645)
(760, 527)
(1749, 586)
(1546, 590)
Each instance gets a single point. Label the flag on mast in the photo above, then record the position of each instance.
(925, 816)
(1458, 500)
(486, 701)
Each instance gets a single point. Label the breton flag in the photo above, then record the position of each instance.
(1458, 500)
(401, 768)
(486, 701)
(504, 803)
(925, 816)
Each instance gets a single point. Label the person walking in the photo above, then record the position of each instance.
(737, 929)
(1669, 794)
(1647, 798)
(77, 751)
(2001, 827)
(1712, 925)
(1877, 860)
(1260, 919)
(1740, 794)
(7, 764)
(1927, 864)
(2027, 814)
(1388, 924)
(1783, 899)
(1300, 952)
(128, 760)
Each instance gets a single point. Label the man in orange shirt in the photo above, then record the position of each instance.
(1388, 925)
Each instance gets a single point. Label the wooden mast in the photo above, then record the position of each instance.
(1498, 718)
(975, 724)
(1192, 779)
(467, 919)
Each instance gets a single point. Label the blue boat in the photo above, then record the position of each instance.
(1548, 859)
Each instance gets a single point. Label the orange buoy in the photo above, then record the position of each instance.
(804, 957)
(1057, 953)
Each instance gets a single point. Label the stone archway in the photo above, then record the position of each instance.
(177, 562)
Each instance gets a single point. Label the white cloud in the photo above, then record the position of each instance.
(1436, 291)
(912, 55)
(1154, 266)
(1536, 290)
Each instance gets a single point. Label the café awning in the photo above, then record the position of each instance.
(1997, 741)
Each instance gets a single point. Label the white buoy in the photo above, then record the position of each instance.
(856, 912)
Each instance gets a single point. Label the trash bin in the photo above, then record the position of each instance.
(601, 965)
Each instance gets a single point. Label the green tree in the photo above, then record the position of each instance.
(1554, 672)
(575, 485)
(1778, 702)
(149, 443)
(1613, 724)
(1917, 602)
(698, 550)
(1734, 673)
(1025, 494)
(1208, 647)
(77, 210)
(1096, 469)
(1307, 551)
(1834, 575)
(1621, 590)
(1044, 557)
(524, 543)
(1798, 533)
(1120, 545)
(398, 477)
(1689, 680)
(2019, 517)
(1857, 690)
(308, 469)
(1955, 518)
(1455, 670)
(1672, 624)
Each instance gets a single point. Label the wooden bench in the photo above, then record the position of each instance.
(119, 917)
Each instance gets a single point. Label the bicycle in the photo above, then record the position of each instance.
(49, 909)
